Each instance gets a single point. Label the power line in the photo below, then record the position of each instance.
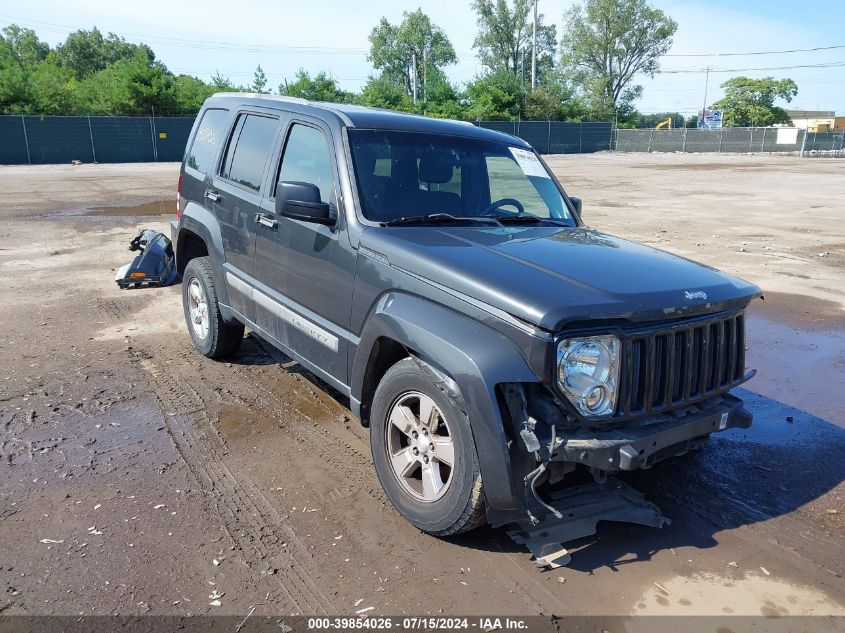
(836, 64)
(205, 44)
(792, 50)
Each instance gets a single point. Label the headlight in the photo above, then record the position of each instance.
(588, 373)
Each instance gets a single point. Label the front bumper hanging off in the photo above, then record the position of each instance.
(641, 446)
(573, 513)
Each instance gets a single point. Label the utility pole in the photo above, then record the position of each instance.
(523, 65)
(706, 83)
(425, 76)
(414, 73)
(534, 50)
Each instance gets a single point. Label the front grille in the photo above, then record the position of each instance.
(681, 364)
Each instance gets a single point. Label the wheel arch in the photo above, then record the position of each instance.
(472, 356)
(198, 235)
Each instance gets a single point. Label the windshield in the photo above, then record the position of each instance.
(404, 175)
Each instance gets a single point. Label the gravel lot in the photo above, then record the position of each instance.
(138, 477)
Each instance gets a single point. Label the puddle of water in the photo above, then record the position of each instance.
(798, 367)
(156, 207)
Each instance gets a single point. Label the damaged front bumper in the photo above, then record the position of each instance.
(644, 443)
(155, 264)
(561, 515)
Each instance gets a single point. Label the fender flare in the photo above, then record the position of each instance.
(200, 221)
(476, 357)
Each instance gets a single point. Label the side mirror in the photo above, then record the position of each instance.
(301, 201)
(576, 202)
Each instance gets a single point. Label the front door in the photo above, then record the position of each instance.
(305, 270)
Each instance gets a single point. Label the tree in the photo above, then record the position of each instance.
(606, 43)
(20, 54)
(24, 46)
(441, 98)
(88, 52)
(504, 37)
(259, 81)
(393, 47)
(117, 77)
(53, 87)
(321, 87)
(190, 93)
(496, 96)
(381, 92)
(221, 83)
(749, 102)
(557, 99)
(128, 87)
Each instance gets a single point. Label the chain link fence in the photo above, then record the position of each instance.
(34, 140)
(558, 137)
(732, 140)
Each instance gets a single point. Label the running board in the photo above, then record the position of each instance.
(582, 508)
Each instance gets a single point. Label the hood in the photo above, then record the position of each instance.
(550, 276)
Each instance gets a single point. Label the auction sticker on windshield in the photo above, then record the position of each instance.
(528, 162)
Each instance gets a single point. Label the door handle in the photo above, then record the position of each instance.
(212, 195)
(266, 220)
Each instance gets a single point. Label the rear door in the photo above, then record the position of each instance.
(305, 270)
(235, 195)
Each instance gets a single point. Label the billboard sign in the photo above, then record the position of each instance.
(710, 119)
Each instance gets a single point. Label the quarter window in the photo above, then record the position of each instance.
(247, 154)
(307, 159)
(207, 140)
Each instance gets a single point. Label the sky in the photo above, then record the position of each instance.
(201, 37)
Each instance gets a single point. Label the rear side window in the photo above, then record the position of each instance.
(207, 140)
(307, 159)
(248, 150)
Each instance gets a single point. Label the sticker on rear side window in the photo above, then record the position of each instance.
(528, 162)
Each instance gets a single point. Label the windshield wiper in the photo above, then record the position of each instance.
(528, 218)
(441, 218)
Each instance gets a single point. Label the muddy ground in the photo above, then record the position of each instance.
(138, 477)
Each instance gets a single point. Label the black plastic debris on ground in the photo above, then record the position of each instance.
(582, 508)
(155, 264)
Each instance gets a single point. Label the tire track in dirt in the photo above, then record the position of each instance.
(251, 522)
(312, 421)
(335, 445)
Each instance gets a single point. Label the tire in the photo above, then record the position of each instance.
(459, 506)
(213, 337)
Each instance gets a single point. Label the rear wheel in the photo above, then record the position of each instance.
(424, 453)
(212, 336)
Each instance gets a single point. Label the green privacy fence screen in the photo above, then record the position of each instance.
(38, 140)
(558, 137)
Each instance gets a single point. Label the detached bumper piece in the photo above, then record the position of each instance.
(155, 264)
(582, 508)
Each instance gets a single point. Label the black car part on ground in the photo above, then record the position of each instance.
(153, 266)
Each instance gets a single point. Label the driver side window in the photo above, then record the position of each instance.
(307, 159)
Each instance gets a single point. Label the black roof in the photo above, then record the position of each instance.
(368, 118)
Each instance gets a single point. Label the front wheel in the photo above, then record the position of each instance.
(424, 453)
(212, 336)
